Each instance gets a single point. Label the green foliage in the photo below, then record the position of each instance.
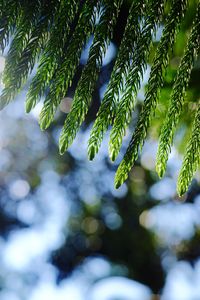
(29, 38)
(178, 96)
(191, 159)
(154, 12)
(109, 103)
(155, 83)
(9, 13)
(65, 72)
(83, 94)
(54, 33)
(53, 51)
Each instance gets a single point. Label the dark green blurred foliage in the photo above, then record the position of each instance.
(115, 233)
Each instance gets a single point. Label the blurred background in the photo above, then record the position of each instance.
(66, 233)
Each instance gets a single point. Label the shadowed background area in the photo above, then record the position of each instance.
(66, 233)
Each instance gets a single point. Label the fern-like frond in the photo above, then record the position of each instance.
(83, 95)
(191, 159)
(154, 12)
(24, 27)
(19, 60)
(65, 73)
(178, 96)
(53, 34)
(53, 51)
(155, 82)
(36, 43)
(122, 64)
(9, 13)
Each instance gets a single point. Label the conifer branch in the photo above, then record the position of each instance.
(178, 96)
(65, 73)
(191, 160)
(54, 33)
(83, 95)
(24, 27)
(123, 61)
(155, 82)
(154, 12)
(15, 72)
(35, 44)
(9, 13)
(53, 52)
